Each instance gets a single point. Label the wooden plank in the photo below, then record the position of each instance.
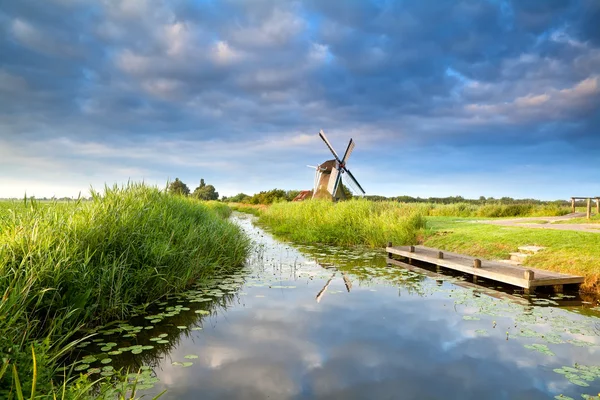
(491, 270)
(489, 292)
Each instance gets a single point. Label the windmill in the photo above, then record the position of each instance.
(328, 175)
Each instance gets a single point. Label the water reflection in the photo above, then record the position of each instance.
(322, 322)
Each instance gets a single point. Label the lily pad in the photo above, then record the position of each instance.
(81, 367)
(191, 356)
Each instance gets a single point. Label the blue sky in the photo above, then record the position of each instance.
(487, 97)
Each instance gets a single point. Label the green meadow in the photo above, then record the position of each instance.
(68, 265)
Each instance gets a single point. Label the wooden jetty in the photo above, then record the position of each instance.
(526, 278)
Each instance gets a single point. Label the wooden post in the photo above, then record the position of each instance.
(477, 263)
(412, 249)
(440, 255)
(389, 245)
(597, 205)
(529, 275)
(558, 288)
(589, 208)
(573, 203)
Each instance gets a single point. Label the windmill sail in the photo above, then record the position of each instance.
(332, 184)
(348, 151)
(322, 135)
(353, 181)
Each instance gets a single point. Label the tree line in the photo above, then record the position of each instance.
(202, 191)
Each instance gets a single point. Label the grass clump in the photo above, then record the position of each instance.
(355, 222)
(66, 265)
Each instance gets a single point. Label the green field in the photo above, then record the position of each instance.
(73, 264)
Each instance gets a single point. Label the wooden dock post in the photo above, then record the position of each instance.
(589, 208)
(558, 288)
(573, 203)
(412, 249)
(440, 255)
(389, 245)
(477, 263)
(529, 275)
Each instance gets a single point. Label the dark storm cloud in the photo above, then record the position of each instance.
(488, 74)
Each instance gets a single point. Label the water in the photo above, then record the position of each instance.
(321, 322)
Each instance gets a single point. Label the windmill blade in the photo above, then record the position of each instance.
(312, 166)
(348, 151)
(338, 180)
(322, 135)
(333, 180)
(354, 181)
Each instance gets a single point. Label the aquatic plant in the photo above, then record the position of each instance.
(65, 265)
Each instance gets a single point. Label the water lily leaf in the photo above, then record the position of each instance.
(181, 327)
(202, 312)
(191, 356)
(114, 353)
(81, 367)
(136, 351)
(162, 341)
(106, 360)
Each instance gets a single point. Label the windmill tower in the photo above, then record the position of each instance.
(328, 175)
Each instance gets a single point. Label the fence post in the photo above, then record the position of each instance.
(573, 204)
(589, 208)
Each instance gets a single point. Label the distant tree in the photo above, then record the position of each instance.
(291, 194)
(179, 188)
(239, 198)
(205, 192)
(268, 197)
(347, 192)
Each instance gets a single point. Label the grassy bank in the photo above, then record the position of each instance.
(356, 222)
(566, 251)
(464, 210)
(66, 265)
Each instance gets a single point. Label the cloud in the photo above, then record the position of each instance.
(463, 74)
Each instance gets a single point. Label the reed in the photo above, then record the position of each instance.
(355, 222)
(66, 265)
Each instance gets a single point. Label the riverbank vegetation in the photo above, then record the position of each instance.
(357, 222)
(449, 227)
(67, 265)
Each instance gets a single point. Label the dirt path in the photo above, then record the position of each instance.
(523, 223)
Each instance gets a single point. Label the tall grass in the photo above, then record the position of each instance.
(346, 223)
(65, 265)
(464, 210)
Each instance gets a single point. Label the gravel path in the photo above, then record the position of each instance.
(522, 223)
